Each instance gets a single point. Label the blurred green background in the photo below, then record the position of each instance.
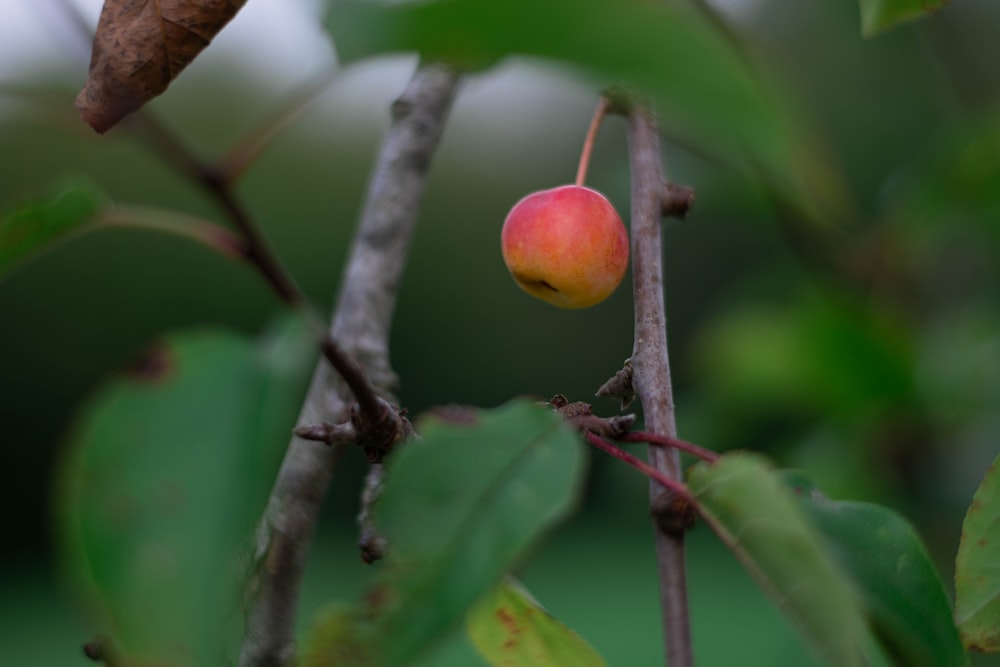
(865, 352)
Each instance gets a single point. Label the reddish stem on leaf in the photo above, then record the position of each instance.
(639, 464)
(588, 143)
(675, 443)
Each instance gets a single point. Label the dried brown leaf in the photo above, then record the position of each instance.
(140, 47)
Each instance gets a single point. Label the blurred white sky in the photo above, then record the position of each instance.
(278, 44)
(270, 38)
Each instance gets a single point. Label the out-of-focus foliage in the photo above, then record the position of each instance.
(167, 475)
(37, 226)
(78, 208)
(977, 586)
(745, 502)
(904, 600)
(896, 399)
(461, 505)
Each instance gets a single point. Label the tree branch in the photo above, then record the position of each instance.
(651, 374)
(361, 324)
(245, 151)
(260, 253)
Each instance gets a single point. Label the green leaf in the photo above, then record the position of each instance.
(41, 224)
(167, 473)
(977, 577)
(461, 503)
(81, 208)
(703, 89)
(510, 629)
(880, 15)
(748, 506)
(904, 598)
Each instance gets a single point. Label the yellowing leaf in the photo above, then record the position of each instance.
(509, 628)
(977, 578)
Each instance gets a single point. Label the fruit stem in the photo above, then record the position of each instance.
(588, 144)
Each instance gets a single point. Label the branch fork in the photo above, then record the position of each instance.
(676, 200)
(673, 510)
(581, 416)
(377, 434)
(361, 324)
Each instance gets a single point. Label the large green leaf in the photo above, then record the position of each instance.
(977, 574)
(702, 88)
(167, 471)
(42, 223)
(748, 506)
(879, 15)
(510, 629)
(904, 599)
(461, 504)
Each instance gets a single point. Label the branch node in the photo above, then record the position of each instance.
(400, 108)
(673, 513)
(581, 416)
(620, 386)
(328, 433)
(676, 200)
(622, 100)
(379, 434)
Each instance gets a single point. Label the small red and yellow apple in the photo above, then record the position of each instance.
(566, 246)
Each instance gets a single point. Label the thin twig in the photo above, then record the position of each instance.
(245, 151)
(371, 541)
(638, 464)
(676, 443)
(258, 251)
(205, 232)
(651, 375)
(330, 434)
(361, 323)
